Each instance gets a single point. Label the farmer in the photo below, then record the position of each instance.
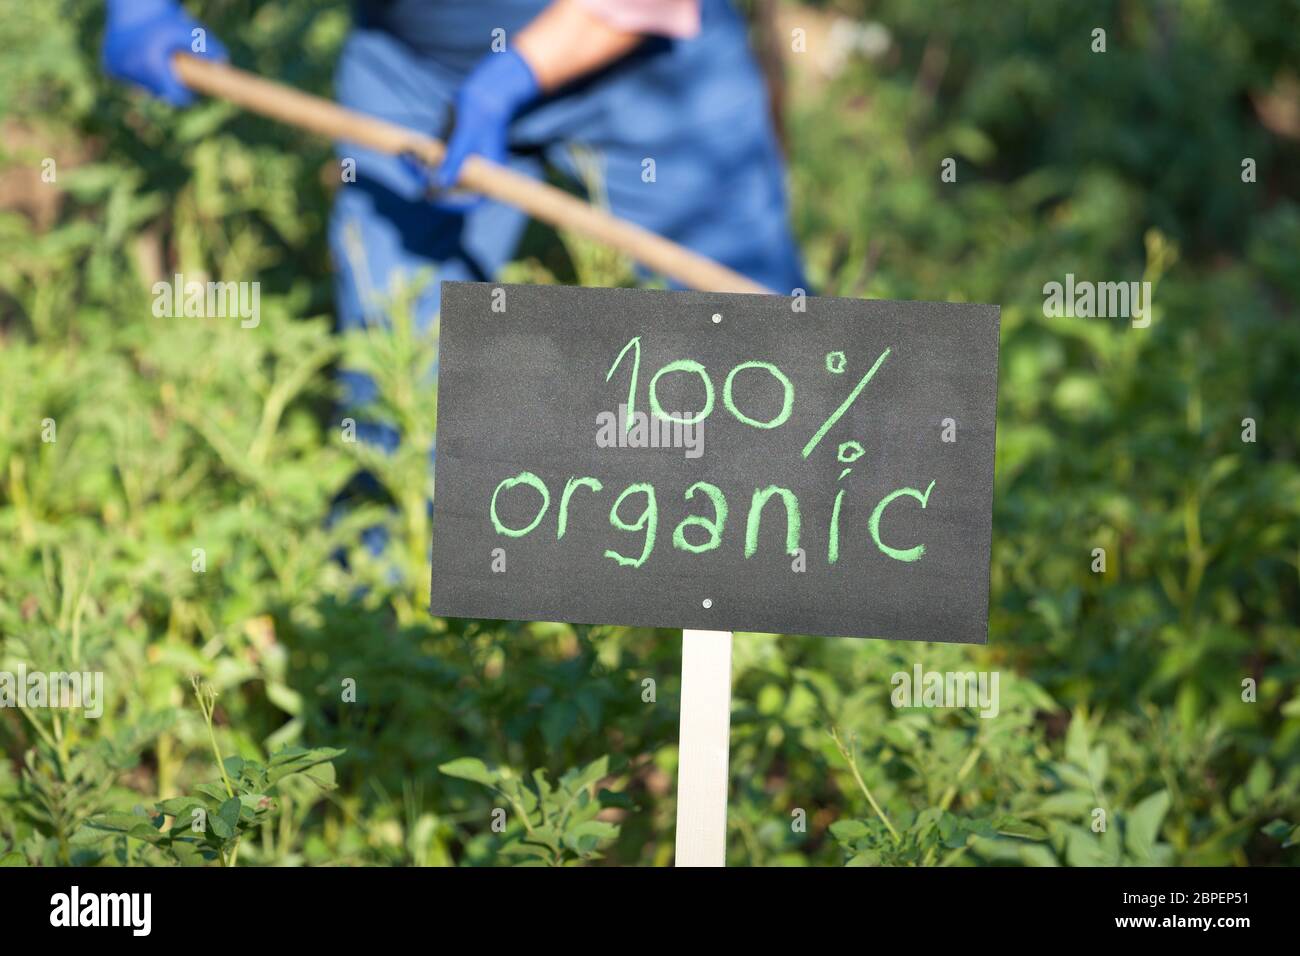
(659, 102)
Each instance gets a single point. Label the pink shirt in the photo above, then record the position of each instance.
(670, 18)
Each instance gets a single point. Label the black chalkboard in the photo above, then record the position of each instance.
(872, 421)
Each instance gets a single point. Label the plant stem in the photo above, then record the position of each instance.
(853, 766)
(967, 766)
(207, 698)
(951, 794)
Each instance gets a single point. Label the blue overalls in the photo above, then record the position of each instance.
(697, 108)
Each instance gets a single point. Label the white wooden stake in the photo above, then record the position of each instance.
(703, 747)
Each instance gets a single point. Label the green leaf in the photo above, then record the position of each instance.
(132, 824)
(202, 121)
(865, 858)
(189, 853)
(849, 831)
(543, 785)
(116, 822)
(470, 768)
(546, 836)
(1259, 780)
(304, 757)
(287, 699)
(322, 775)
(1011, 826)
(148, 833)
(587, 836)
(588, 775)
(1085, 848)
(1283, 832)
(296, 760)
(1143, 824)
(215, 792)
(253, 804)
(954, 832)
(180, 807)
(1071, 804)
(225, 821)
(558, 721)
(519, 848)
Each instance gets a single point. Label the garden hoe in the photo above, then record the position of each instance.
(540, 200)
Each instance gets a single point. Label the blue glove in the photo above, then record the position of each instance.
(139, 39)
(495, 90)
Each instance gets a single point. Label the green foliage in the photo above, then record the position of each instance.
(1121, 692)
(557, 825)
(209, 823)
(923, 836)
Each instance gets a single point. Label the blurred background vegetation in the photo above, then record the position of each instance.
(1121, 691)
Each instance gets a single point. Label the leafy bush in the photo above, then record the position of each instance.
(209, 823)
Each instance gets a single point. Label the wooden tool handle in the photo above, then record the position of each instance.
(539, 200)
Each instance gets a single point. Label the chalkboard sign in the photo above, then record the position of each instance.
(720, 462)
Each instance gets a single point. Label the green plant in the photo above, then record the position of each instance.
(209, 823)
(554, 825)
(933, 836)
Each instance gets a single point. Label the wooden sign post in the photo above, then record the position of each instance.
(703, 744)
(714, 462)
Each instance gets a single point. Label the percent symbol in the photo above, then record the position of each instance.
(835, 363)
